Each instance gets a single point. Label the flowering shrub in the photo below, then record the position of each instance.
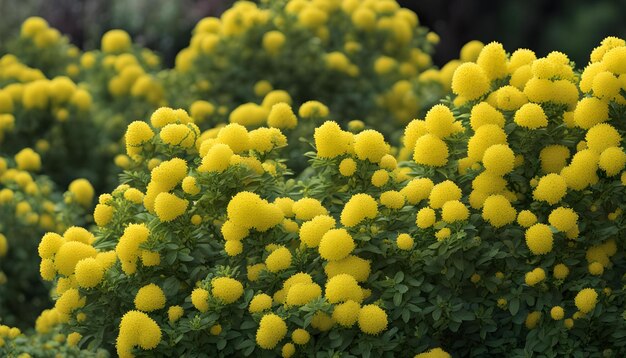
(285, 213)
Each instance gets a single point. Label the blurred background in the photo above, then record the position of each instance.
(571, 26)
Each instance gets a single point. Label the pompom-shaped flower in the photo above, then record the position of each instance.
(590, 111)
(336, 244)
(331, 141)
(82, 191)
(311, 232)
(137, 329)
(235, 136)
(199, 299)
(441, 193)
(440, 121)
(260, 303)
(308, 208)
(483, 113)
(174, 313)
(341, 288)
(313, 108)
(612, 160)
(470, 81)
(226, 289)
(554, 158)
(380, 178)
(526, 218)
(539, 239)
(272, 329)
(150, 298)
(168, 206)
(282, 116)
(484, 137)
(347, 167)
(300, 336)
(557, 313)
(169, 173)
(417, 190)
(602, 136)
(499, 159)
(370, 145)
(392, 199)
(69, 254)
(217, 159)
(273, 41)
(300, 293)
(49, 245)
(248, 210)
(492, 59)
(535, 276)
(404, 242)
(116, 41)
(431, 151)
(347, 313)
(372, 319)
(249, 114)
(586, 300)
(531, 116)
(103, 214)
(563, 219)
(89, 272)
(28, 159)
(453, 211)
(497, 210)
(352, 265)
(357, 209)
(278, 260)
(550, 188)
(426, 218)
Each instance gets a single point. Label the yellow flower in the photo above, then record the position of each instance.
(605, 85)
(417, 190)
(169, 173)
(312, 109)
(352, 265)
(49, 245)
(336, 244)
(302, 293)
(331, 141)
(612, 160)
(311, 232)
(551, 189)
(199, 299)
(249, 114)
(116, 41)
(426, 218)
(226, 289)
(278, 260)
(33, 26)
(357, 209)
(492, 59)
(602, 136)
(554, 158)
(273, 41)
(201, 110)
(217, 159)
(499, 159)
(149, 298)
(168, 206)
(179, 135)
(443, 192)
(404, 242)
(497, 210)
(596, 268)
(103, 214)
(259, 303)
(235, 136)
(308, 208)
(470, 81)
(347, 167)
(174, 313)
(248, 210)
(590, 111)
(563, 219)
(300, 336)
(392, 199)
(532, 319)
(453, 211)
(535, 276)
(372, 319)
(434, 353)
(531, 116)
(272, 329)
(586, 300)
(347, 313)
(526, 218)
(560, 271)
(281, 116)
(431, 151)
(69, 254)
(380, 178)
(137, 329)
(341, 288)
(370, 145)
(28, 159)
(89, 272)
(83, 191)
(539, 239)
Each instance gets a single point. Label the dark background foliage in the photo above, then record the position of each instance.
(570, 26)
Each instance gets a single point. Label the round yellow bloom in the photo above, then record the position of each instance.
(33, 26)
(596, 268)
(89, 272)
(312, 109)
(174, 313)
(137, 329)
(434, 353)
(226, 289)
(169, 173)
(453, 211)
(404, 242)
(116, 41)
(248, 210)
(443, 192)
(273, 41)
(82, 190)
(483, 113)
(235, 136)
(308, 208)
(560, 271)
(484, 137)
(352, 265)
(278, 260)
(347, 167)
(201, 110)
(586, 300)
(554, 158)
(392, 199)
(499, 159)
(149, 298)
(249, 115)
(612, 160)
(259, 303)
(49, 245)
(531, 116)
(103, 214)
(470, 81)
(535, 276)
(526, 218)
(300, 336)
(590, 111)
(288, 350)
(426, 218)
(168, 206)
(563, 219)
(550, 188)
(272, 329)
(301, 293)
(492, 59)
(347, 313)
(532, 319)
(417, 190)
(470, 51)
(439, 121)
(497, 210)
(69, 254)
(602, 136)
(539, 239)
(606, 85)
(372, 319)
(281, 116)
(217, 158)
(370, 145)
(431, 151)
(341, 288)
(233, 247)
(380, 178)
(331, 141)
(28, 159)
(557, 313)
(357, 209)
(311, 232)
(336, 244)
(199, 299)
(509, 98)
